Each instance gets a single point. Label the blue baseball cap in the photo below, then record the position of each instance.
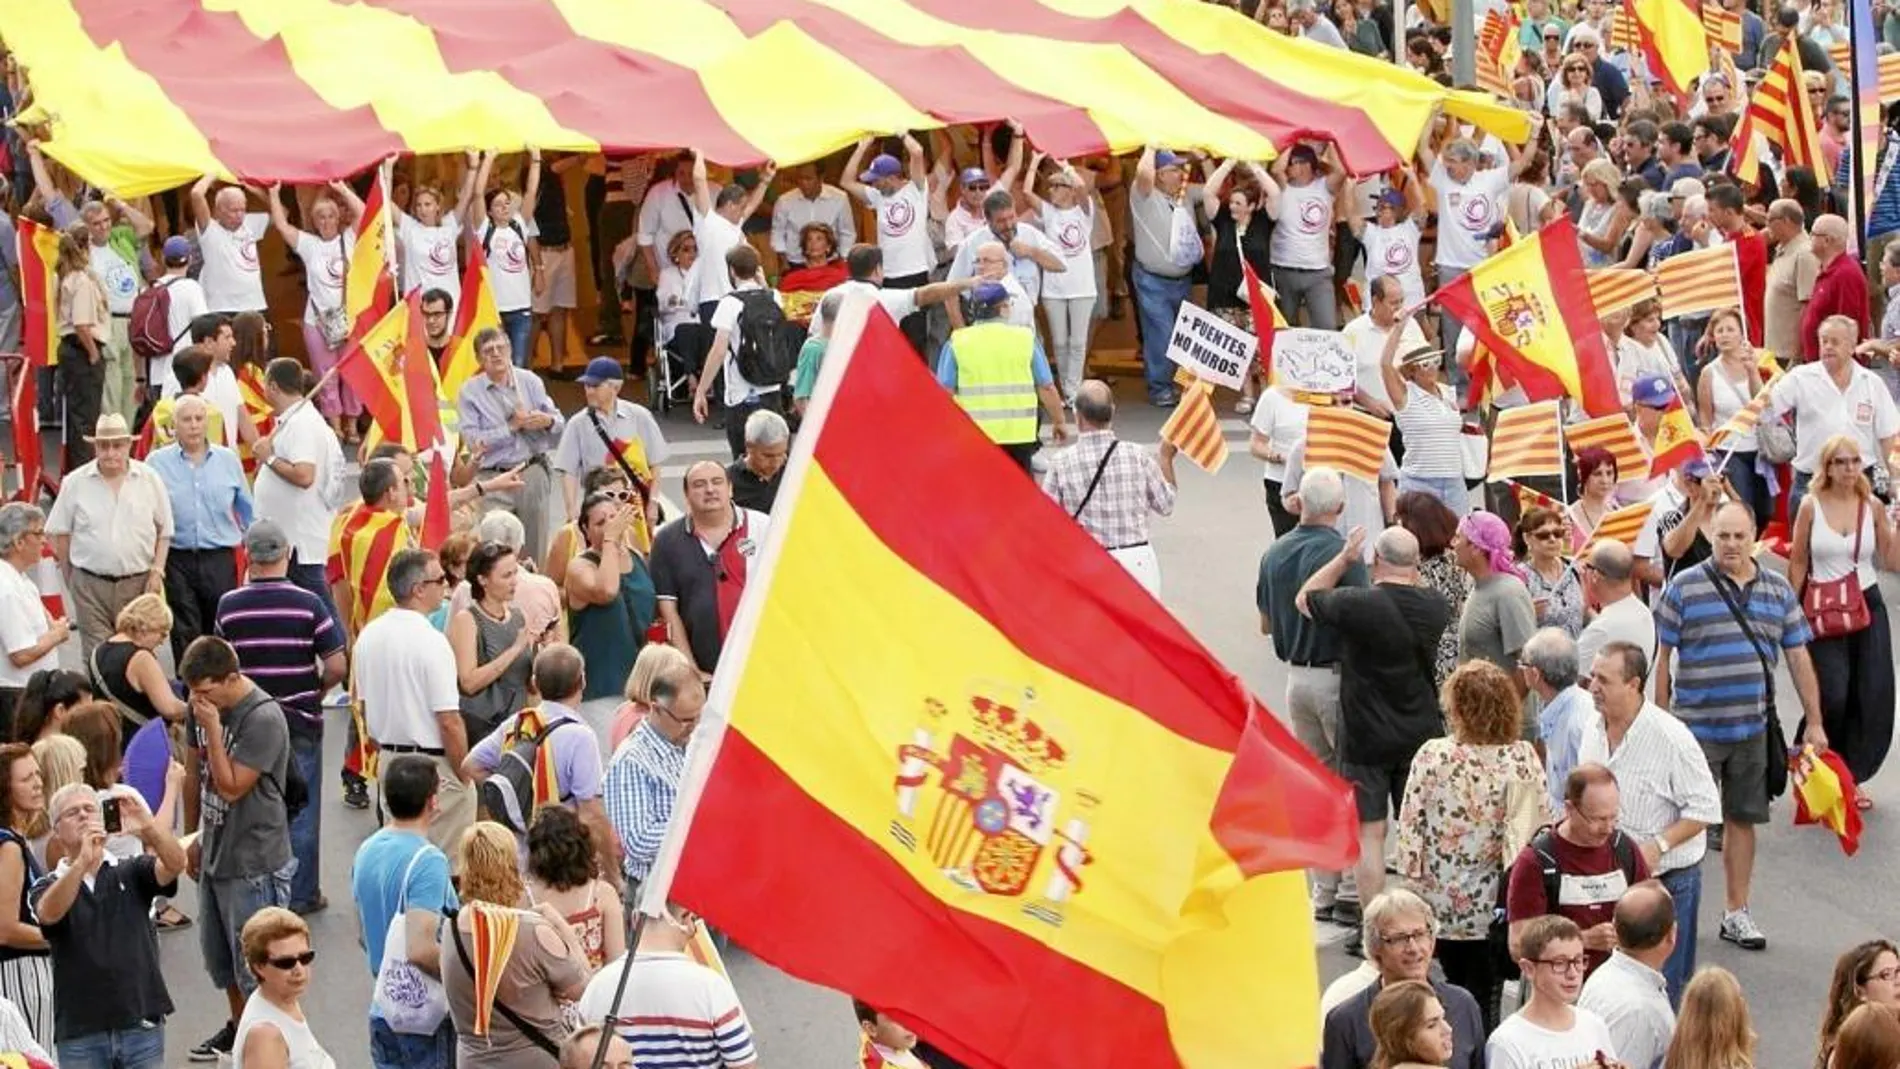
(885, 166)
(602, 369)
(1698, 467)
(177, 250)
(1653, 391)
(988, 294)
(1164, 158)
(973, 176)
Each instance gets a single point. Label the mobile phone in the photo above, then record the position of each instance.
(114, 822)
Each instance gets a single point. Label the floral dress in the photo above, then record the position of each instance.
(1453, 827)
(1563, 599)
(1441, 573)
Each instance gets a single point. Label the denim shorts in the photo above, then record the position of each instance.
(223, 907)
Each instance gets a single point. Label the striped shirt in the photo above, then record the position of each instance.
(1720, 690)
(1662, 778)
(641, 786)
(281, 632)
(676, 1014)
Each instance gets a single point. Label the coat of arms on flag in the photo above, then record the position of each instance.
(1515, 312)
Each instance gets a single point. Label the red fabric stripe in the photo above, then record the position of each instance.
(623, 99)
(980, 991)
(948, 83)
(376, 557)
(1570, 285)
(238, 89)
(1220, 83)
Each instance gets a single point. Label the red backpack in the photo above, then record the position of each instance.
(151, 326)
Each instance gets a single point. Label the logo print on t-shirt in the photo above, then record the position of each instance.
(441, 256)
(1477, 213)
(1398, 256)
(333, 268)
(247, 253)
(1314, 215)
(514, 258)
(1070, 237)
(899, 216)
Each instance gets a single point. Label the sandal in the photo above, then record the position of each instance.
(1244, 406)
(1862, 800)
(170, 919)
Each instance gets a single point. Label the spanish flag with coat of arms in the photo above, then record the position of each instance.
(1004, 797)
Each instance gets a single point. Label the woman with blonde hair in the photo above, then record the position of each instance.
(1410, 1028)
(1842, 538)
(274, 1033)
(1605, 218)
(657, 660)
(84, 325)
(1472, 800)
(1713, 1029)
(124, 669)
(1869, 1039)
(531, 961)
(1868, 973)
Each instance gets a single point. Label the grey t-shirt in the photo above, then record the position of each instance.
(1499, 618)
(1153, 213)
(251, 836)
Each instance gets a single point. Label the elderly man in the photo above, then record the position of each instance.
(94, 912)
(1840, 287)
(1547, 667)
(1160, 271)
(1667, 794)
(1110, 490)
(211, 506)
(1834, 396)
(898, 194)
(29, 635)
(508, 417)
(997, 371)
(1609, 585)
(113, 252)
(700, 563)
(1028, 252)
(1579, 867)
(1791, 279)
(672, 1002)
(810, 200)
(756, 475)
(300, 475)
(1367, 334)
(610, 430)
(1629, 992)
(112, 530)
(1467, 198)
(1400, 935)
(1305, 16)
(1705, 617)
(227, 240)
(643, 779)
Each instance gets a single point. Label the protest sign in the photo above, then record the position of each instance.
(1211, 347)
(1317, 361)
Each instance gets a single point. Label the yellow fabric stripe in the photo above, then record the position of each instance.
(111, 121)
(353, 55)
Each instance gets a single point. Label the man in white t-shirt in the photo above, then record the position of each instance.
(1609, 584)
(113, 250)
(898, 196)
(187, 302)
(1468, 200)
(866, 266)
(1367, 336)
(299, 476)
(742, 398)
(227, 239)
(1834, 396)
(29, 637)
(1301, 249)
(1550, 1030)
(718, 233)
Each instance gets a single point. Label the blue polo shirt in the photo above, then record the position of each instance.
(1720, 691)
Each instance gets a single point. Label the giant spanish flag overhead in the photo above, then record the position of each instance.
(1006, 797)
(320, 89)
(1530, 307)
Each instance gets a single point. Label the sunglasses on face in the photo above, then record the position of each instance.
(291, 962)
(1548, 533)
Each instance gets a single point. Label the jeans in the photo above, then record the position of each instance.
(1750, 488)
(1069, 319)
(306, 748)
(1157, 302)
(390, 1049)
(1449, 489)
(1685, 886)
(224, 904)
(1795, 495)
(139, 1047)
(519, 326)
(1312, 289)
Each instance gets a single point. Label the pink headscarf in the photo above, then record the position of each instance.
(1493, 538)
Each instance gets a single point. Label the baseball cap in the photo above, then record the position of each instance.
(1391, 198)
(1698, 467)
(1653, 391)
(177, 250)
(602, 369)
(1685, 188)
(1164, 158)
(885, 166)
(1303, 152)
(988, 294)
(972, 176)
(266, 542)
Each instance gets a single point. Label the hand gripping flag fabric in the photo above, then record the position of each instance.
(1700, 281)
(1347, 439)
(1194, 428)
(1624, 524)
(1677, 441)
(1673, 40)
(1778, 115)
(1616, 434)
(1824, 794)
(1744, 419)
(1613, 289)
(1526, 442)
(1530, 306)
(1010, 801)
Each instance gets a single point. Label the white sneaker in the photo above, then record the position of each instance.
(1739, 928)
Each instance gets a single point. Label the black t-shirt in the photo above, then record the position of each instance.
(1388, 637)
(106, 950)
(748, 490)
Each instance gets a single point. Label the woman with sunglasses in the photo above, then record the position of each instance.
(568, 542)
(610, 594)
(1556, 590)
(274, 1033)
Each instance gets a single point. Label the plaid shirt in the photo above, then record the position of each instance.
(1131, 487)
(642, 784)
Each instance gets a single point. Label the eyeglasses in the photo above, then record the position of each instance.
(431, 580)
(1548, 532)
(1565, 965)
(1399, 939)
(289, 963)
(1885, 976)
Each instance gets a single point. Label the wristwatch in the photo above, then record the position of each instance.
(1662, 845)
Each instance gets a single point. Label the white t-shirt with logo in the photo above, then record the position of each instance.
(325, 265)
(231, 278)
(1393, 250)
(121, 279)
(1303, 236)
(1467, 211)
(901, 232)
(1069, 230)
(428, 254)
(711, 279)
(1519, 1044)
(508, 274)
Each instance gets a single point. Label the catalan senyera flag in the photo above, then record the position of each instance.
(1194, 428)
(1723, 27)
(1613, 289)
(1744, 419)
(1624, 524)
(1673, 40)
(1498, 52)
(1623, 34)
(1348, 440)
(1530, 306)
(1616, 434)
(250, 379)
(1889, 78)
(39, 291)
(1526, 441)
(1529, 497)
(492, 940)
(1700, 281)
(1779, 113)
(363, 541)
(1027, 775)
(1841, 54)
(369, 287)
(1824, 794)
(477, 311)
(1677, 441)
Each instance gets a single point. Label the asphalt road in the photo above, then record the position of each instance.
(1810, 900)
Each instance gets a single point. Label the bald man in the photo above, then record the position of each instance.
(1627, 991)
(1609, 583)
(1791, 276)
(1839, 289)
(227, 238)
(1110, 487)
(700, 562)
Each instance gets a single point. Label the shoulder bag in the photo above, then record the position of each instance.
(1095, 481)
(411, 1001)
(528, 1031)
(1775, 738)
(1836, 607)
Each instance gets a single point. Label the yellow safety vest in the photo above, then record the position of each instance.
(994, 382)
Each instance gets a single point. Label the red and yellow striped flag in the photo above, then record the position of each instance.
(1841, 54)
(1623, 35)
(1498, 52)
(1779, 113)
(1624, 524)
(1889, 67)
(1346, 440)
(1700, 281)
(1723, 27)
(1194, 428)
(1673, 40)
(1526, 442)
(39, 291)
(363, 541)
(250, 379)
(1616, 434)
(476, 313)
(1677, 441)
(1743, 420)
(492, 931)
(1026, 774)
(1529, 497)
(369, 289)
(1613, 289)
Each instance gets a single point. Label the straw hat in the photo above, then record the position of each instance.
(110, 428)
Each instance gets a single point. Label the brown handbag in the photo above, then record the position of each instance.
(1837, 607)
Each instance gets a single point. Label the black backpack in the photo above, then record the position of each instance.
(1543, 845)
(507, 795)
(767, 353)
